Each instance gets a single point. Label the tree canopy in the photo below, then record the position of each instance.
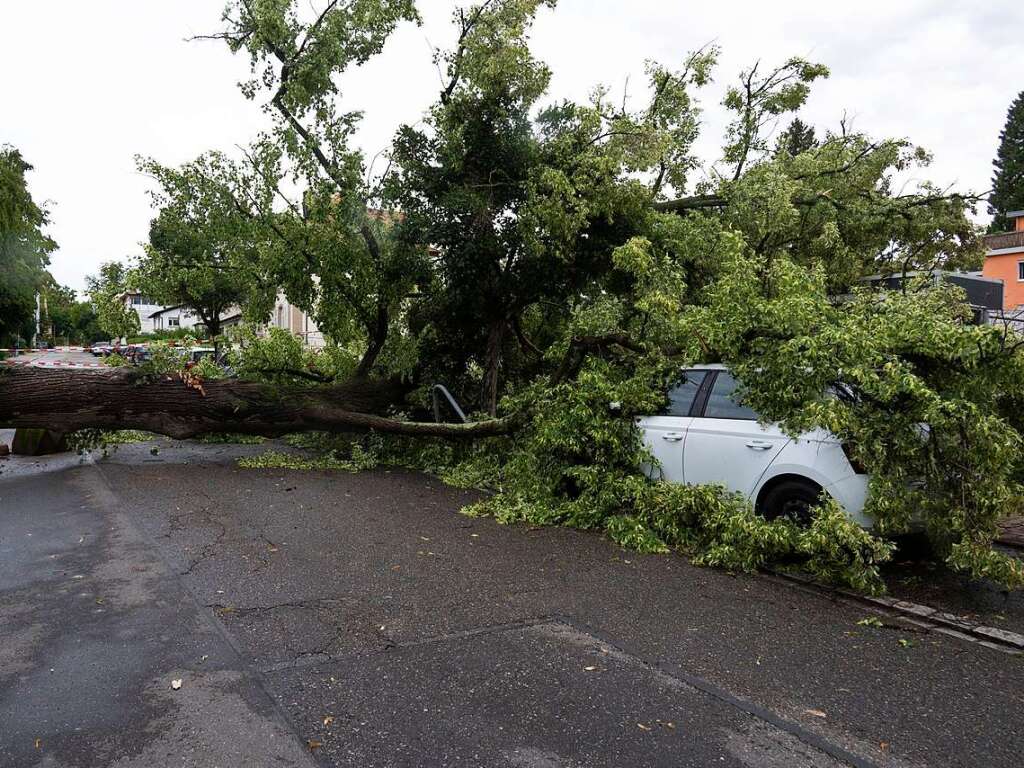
(106, 294)
(24, 247)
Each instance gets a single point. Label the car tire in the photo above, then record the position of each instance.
(791, 498)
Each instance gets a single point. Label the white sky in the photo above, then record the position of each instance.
(86, 85)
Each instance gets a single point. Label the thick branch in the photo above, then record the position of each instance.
(694, 203)
(65, 401)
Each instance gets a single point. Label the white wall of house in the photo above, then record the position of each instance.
(287, 316)
(175, 319)
(143, 306)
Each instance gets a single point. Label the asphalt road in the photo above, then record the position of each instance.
(57, 358)
(358, 620)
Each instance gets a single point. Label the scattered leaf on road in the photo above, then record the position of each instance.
(176, 683)
(39, 743)
(904, 643)
(313, 744)
(815, 713)
(643, 727)
(589, 669)
(327, 721)
(870, 621)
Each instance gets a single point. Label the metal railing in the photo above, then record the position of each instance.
(440, 389)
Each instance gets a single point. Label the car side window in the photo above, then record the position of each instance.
(681, 396)
(722, 403)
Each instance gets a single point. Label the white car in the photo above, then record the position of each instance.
(704, 436)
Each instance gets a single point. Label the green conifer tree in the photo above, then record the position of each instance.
(1008, 180)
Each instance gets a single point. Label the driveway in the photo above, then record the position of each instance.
(358, 620)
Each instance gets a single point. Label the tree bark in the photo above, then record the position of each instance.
(124, 399)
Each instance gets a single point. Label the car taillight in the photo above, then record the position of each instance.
(854, 461)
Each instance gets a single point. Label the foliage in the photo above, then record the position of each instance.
(1008, 180)
(196, 243)
(799, 137)
(66, 318)
(106, 294)
(86, 440)
(919, 395)
(280, 460)
(562, 261)
(114, 360)
(24, 248)
(281, 357)
(525, 211)
(230, 438)
(329, 248)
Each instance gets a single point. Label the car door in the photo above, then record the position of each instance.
(664, 433)
(725, 443)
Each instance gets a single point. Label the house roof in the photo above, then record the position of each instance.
(165, 309)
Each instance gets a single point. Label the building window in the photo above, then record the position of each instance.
(1020, 271)
(173, 322)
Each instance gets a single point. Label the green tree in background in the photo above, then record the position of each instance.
(1008, 181)
(797, 138)
(68, 320)
(106, 294)
(198, 244)
(24, 248)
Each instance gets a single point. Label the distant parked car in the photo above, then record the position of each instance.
(704, 436)
(195, 354)
(101, 348)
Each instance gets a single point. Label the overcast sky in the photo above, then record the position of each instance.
(88, 85)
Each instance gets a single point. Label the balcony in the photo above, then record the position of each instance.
(1006, 240)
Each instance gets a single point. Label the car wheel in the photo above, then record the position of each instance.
(791, 498)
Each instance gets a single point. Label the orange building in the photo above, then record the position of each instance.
(1005, 261)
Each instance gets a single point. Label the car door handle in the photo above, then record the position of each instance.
(672, 437)
(759, 445)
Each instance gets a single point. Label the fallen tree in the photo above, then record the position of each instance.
(181, 407)
(556, 265)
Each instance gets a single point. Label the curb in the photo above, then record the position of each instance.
(993, 637)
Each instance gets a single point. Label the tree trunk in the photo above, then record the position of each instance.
(124, 399)
(378, 337)
(492, 370)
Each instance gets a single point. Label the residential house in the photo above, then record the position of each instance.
(175, 318)
(157, 318)
(144, 307)
(1004, 261)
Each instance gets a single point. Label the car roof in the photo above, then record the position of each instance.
(707, 367)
